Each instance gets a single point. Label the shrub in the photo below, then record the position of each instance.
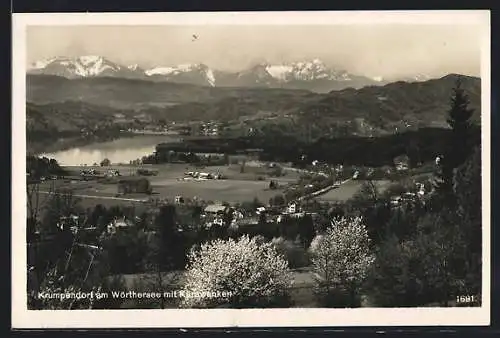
(266, 230)
(468, 191)
(395, 189)
(293, 251)
(277, 172)
(105, 163)
(341, 259)
(109, 284)
(367, 195)
(421, 269)
(336, 210)
(144, 186)
(255, 274)
(278, 200)
(391, 280)
(141, 185)
(126, 250)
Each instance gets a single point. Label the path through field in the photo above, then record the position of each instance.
(100, 197)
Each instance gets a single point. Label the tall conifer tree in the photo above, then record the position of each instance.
(458, 147)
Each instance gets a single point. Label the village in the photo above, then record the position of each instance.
(290, 199)
(122, 204)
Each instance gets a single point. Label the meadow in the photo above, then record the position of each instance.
(238, 186)
(348, 189)
(168, 183)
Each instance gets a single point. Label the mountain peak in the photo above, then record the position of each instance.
(80, 66)
(306, 70)
(88, 59)
(188, 72)
(134, 67)
(40, 64)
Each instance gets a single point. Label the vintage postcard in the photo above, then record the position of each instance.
(258, 169)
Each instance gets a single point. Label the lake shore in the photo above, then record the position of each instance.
(35, 147)
(118, 150)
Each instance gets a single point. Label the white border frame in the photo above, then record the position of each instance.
(294, 317)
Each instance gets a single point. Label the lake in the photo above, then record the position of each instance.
(122, 150)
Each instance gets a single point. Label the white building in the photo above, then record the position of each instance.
(112, 173)
(121, 223)
(214, 209)
(217, 221)
(292, 208)
(260, 210)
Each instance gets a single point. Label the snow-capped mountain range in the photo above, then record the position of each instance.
(189, 73)
(306, 71)
(311, 75)
(82, 66)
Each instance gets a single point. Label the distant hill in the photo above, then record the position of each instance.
(73, 123)
(134, 93)
(70, 116)
(413, 104)
(369, 111)
(72, 105)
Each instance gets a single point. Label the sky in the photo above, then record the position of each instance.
(370, 50)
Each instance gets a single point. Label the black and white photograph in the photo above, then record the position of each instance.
(251, 169)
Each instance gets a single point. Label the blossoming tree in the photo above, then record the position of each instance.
(341, 259)
(240, 273)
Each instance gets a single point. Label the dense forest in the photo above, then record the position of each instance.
(421, 145)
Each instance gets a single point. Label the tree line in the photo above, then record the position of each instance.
(420, 146)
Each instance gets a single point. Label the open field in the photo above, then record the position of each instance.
(348, 189)
(91, 200)
(216, 190)
(238, 187)
(177, 170)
